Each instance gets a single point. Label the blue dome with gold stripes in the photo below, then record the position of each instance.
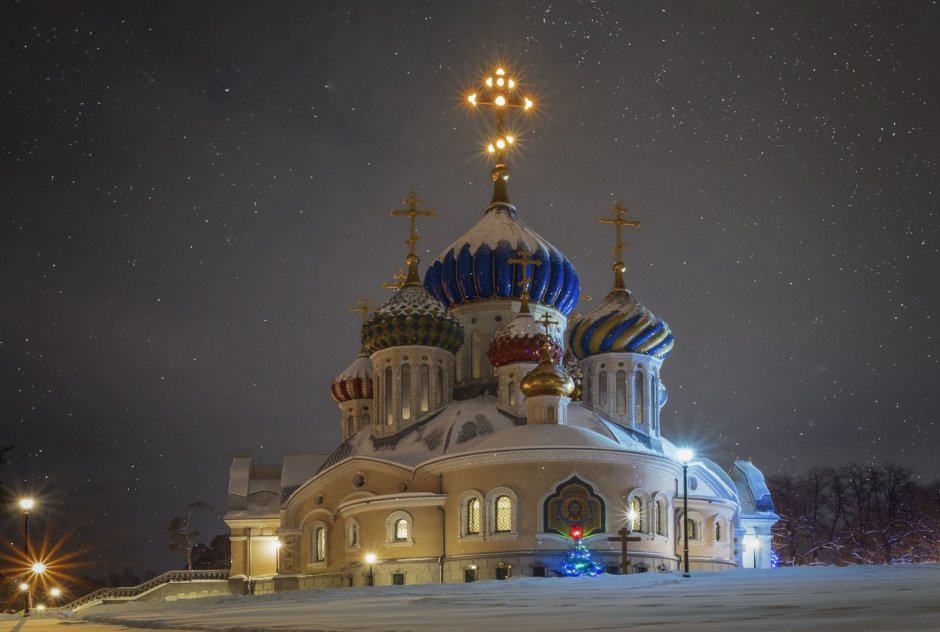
(476, 266)
(620, 324)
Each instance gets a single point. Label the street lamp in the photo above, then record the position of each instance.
(26, 504)
(685, 455)
(276, 549)
(370, 560)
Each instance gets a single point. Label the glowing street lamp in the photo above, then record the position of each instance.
(276, 550)
(370, 560)
(685, 455)
(26, 504)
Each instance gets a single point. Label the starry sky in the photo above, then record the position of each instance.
(193, 195)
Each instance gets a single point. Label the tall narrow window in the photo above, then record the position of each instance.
(636, 511)
(602, 389)
(424, 388)
(401, 530)
(439, 391)
(366, 420)
(319, 539)
(405, 392)
(660, 518)
(476, 369)
(587, 389)
(389, 400)
(621, 392)
(512, 393)
(550, 414)
(503, 514)
(691, 529)
(717, 532)
(349, 425)
(473, 517)
(640, 405)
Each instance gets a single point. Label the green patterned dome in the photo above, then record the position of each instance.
(412, 317)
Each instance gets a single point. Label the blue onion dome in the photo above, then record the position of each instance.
(620, 324)
(476, 267)
(412, 317)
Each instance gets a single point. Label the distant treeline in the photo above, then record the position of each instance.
(855, 514)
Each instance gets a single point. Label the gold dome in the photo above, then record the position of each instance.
(546, 378)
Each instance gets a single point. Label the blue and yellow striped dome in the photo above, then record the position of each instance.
(620, 324)
(475, 267)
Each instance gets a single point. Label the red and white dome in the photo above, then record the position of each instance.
(355, 382)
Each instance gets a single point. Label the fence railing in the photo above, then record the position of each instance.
(131, 592)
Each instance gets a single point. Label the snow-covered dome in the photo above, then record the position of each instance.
(411, 317)
(620, 324)
(520, 341)
(475, 266)
(355, 382)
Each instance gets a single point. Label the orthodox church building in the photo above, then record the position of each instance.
(483, 425)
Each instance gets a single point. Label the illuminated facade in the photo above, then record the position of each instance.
(481, 422)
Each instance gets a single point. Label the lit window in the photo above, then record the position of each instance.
(512, 393)
(401, 530)
(660, 518)
(476, 369)
(503, 514)
(389, 406)
(424, 388)
(474, 522)
(319, 544)
(691, 529)
(636, 507)
(405, 392)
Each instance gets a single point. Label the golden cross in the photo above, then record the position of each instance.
(524, 260)
(619, 222)
(547, 322)
(584, 298)
(399, 281)
(363, 307)
(411, 213)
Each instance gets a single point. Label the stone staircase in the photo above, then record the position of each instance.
(185, 584)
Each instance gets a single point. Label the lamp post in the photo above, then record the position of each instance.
(370, 560)
(26, 504)
(685, 455)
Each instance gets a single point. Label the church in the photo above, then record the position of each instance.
(484, 427)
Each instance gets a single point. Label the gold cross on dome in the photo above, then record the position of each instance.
(363, 307)
(399, 281)
(525, 261)
(618, 221)
(547, 322)
(412, 212)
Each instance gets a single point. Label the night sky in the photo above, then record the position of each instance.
(193, 195)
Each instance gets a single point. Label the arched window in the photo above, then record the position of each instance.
(318, 543)
(389, 403)
(636, 514)
(476, 369)
(550, 414)
(602, 389)
(405, 392)
(512, 393)
(621, 392)
(654, 399)
(349, 425)
(638, 385)
(399, 528)
(691, 529)
(717, 531)
(424, 388)
(503, 520)
(439, 391)
(366, 420)
(474, 517)
(660, 517)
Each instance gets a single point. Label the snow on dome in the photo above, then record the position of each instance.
(620, 324)
(547, 436)
(475, 266)
(520, 341)
(355, 382)
(411, 317)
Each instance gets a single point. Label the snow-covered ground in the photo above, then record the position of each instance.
(861, 598)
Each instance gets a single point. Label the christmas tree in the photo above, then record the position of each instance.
(578, 559)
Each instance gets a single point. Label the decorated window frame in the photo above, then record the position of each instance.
(491, 513)
(393, 529)
(467, 529)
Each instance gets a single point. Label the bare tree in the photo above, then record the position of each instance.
(181, 532)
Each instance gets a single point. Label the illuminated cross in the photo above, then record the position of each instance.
(547, 322)
(399, 281)
(362, 307)
(525, 261)
(412, 212)
(500, 93)
(619, 222)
